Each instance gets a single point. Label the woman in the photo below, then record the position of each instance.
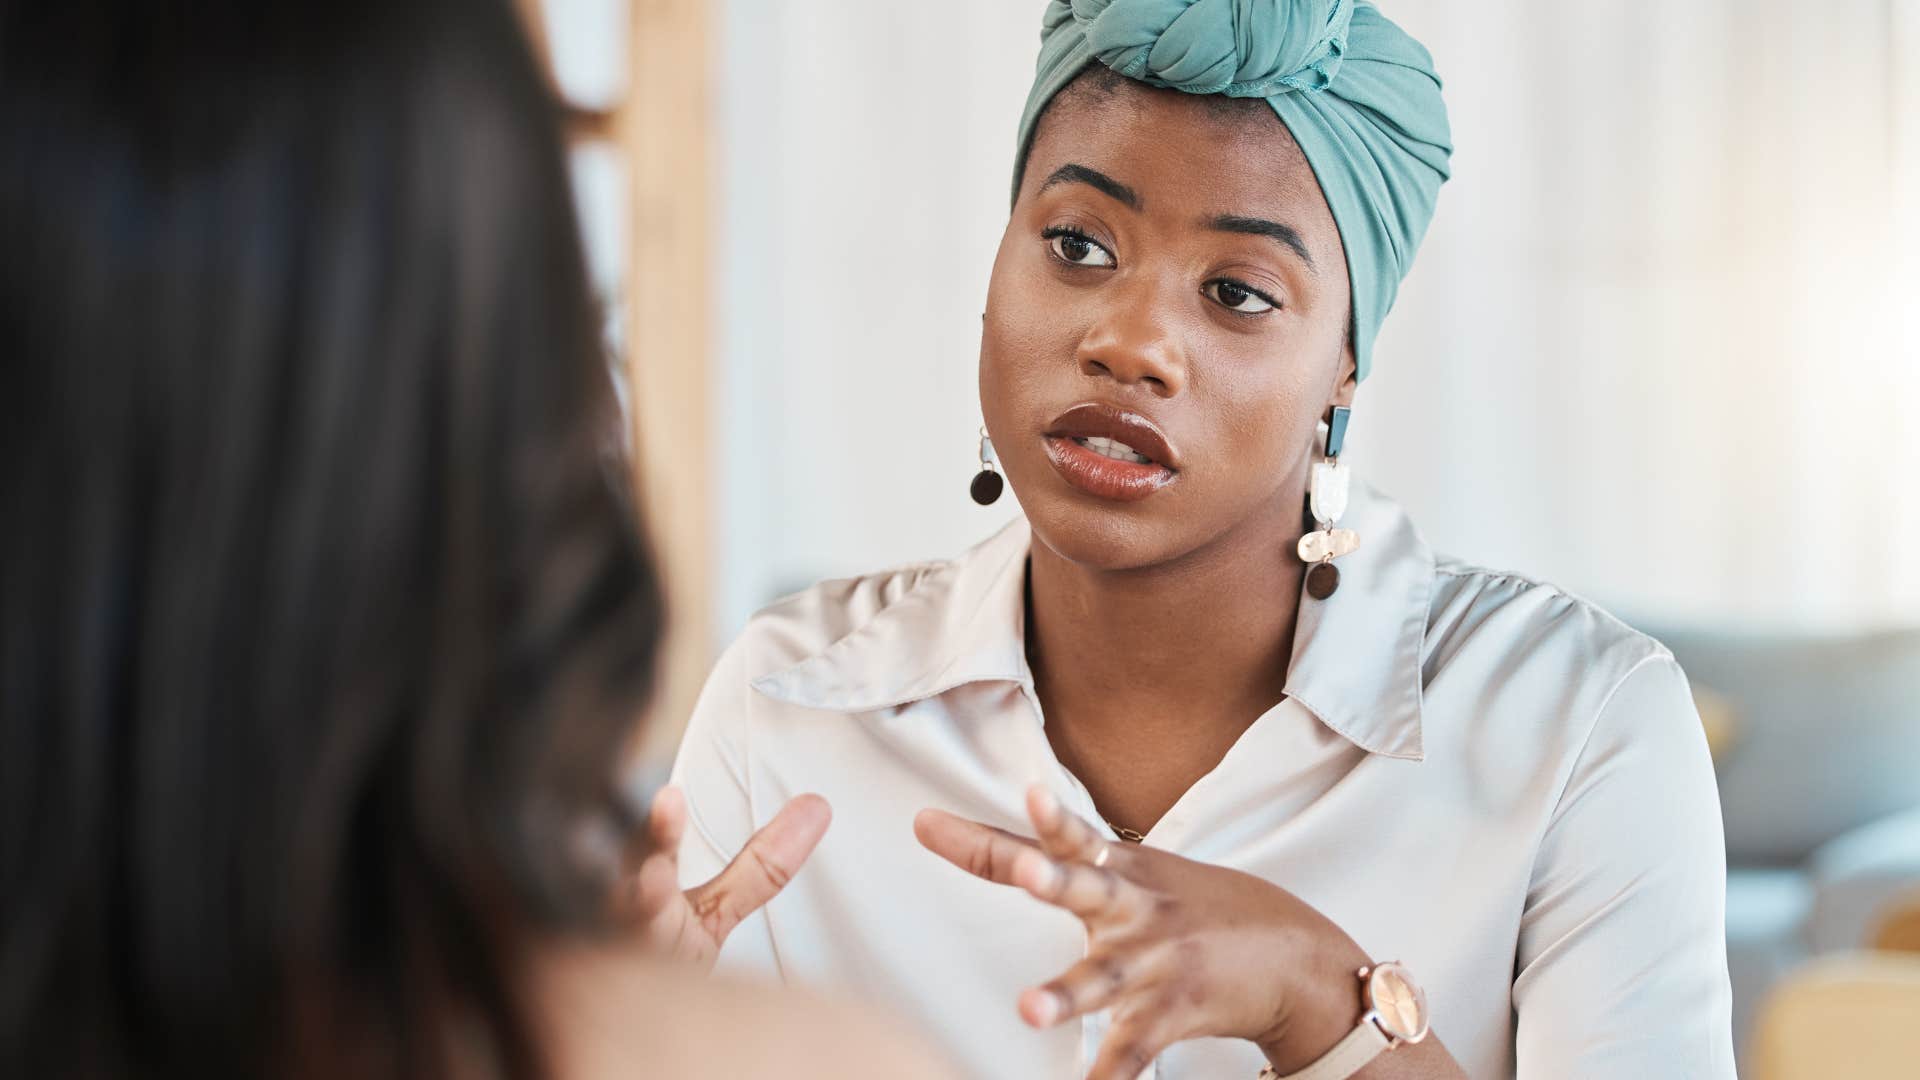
(1262, 737)
(323, 622)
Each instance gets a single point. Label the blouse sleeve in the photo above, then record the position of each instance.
(712, 769)
(1621, 968)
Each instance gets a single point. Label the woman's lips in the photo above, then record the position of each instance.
(1097, 474)
(1074, 442)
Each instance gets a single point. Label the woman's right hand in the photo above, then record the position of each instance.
(690, 925)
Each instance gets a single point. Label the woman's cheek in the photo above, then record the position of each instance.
(1267, 420)
(1030, 346)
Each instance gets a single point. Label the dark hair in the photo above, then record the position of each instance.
(323, 616)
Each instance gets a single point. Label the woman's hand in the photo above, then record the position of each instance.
(1176, 949)
(690, 926)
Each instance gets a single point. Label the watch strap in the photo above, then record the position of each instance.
(1348, 1056)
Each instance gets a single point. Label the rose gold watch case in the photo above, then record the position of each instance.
(1395, 1003)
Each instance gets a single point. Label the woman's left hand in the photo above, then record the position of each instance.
(1176, 949)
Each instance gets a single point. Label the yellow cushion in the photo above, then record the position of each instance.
(1850, 1015)
(1720, 719)
(1898, 927)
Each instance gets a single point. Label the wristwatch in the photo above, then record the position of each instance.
(1396, 1015)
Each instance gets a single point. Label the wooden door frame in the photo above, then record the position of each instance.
(660, 130)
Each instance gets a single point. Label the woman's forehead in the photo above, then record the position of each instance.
(1198, 153)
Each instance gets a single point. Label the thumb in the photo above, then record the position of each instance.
(769, 860)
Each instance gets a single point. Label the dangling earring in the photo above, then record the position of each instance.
(987, 482)
(1328, 498)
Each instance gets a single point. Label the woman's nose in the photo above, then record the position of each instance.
(1136, 341)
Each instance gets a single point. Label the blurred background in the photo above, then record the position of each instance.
(1662, 347)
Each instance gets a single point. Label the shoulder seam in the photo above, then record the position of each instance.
(914, 570)
(1457, 569)
(1586, 741)
(914, 574)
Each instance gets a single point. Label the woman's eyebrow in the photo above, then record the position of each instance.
(1080, 174)
(1272, 230)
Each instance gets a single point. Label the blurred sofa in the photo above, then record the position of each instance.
(1817, 750)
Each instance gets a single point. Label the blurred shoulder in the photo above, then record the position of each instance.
(812, 1038)
(613, 1012)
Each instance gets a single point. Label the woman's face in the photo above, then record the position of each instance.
(1171, 280)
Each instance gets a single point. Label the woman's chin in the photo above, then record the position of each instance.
(1104, 537)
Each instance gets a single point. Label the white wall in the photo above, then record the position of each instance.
(865, 179)
(1661, 345)
(1654, 348)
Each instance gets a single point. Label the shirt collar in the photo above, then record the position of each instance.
(1356, 656)
(961, 621)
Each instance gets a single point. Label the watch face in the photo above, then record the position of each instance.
(1400, 1004)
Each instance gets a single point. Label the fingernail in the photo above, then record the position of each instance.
(1048, 1009)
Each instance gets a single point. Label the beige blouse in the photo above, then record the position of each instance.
(1474, 773)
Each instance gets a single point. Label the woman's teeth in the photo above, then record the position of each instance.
(1113, 448)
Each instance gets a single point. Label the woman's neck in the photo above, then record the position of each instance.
(1148, 676)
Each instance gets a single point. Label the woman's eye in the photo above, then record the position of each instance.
(1237, 297)
(1074, 248)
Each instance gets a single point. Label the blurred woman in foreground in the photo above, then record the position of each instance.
(323, 621)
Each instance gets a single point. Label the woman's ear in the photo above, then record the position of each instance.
(1343, 390)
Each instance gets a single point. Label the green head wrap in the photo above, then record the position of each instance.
(1359, 95)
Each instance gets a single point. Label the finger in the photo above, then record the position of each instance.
(1094, 894)
(771, 858)
(667, 823)
(1064, 835)
(980, 850)
(666, 917)
(657, 885)
(1130, 1046)
(1089, 986)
